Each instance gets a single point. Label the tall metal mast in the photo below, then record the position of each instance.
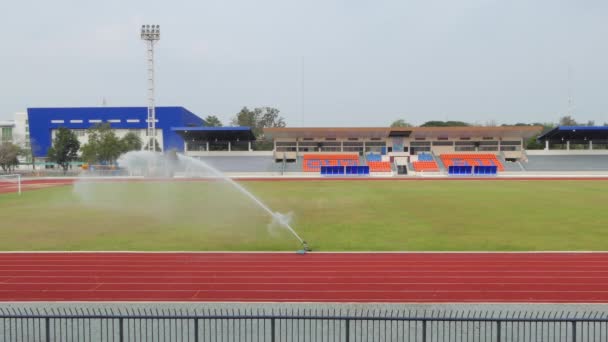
(151, 34)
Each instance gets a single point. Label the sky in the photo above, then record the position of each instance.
(320, 62)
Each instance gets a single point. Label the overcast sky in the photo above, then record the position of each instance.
(321, 62)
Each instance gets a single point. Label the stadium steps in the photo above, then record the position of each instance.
(294, 167)
(439, 162)
(567, 163)
(510, 166)
(242, 164)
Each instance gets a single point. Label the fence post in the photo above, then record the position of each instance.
(272, 327)
(120, 330)
(498, 332)
(347, 334)
(424, 331)
(573, 331)
(47, 328)
(196, 330)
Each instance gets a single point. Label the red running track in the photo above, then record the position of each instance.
(314, 277)
(34, 184)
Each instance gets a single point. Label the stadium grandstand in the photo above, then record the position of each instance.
(401, 150)
(381, 151)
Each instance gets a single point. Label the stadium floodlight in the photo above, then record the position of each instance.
(151, 34)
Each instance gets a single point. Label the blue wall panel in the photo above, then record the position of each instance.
(40, 122)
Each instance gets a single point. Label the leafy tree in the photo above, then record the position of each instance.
(444, 124)
(213, 121)
(245, 117)
(533, 143)
(400, 123)
(258, 119)
(103, 146)
(269, 117)
(9, 154)
(567, 121)
(64, 149)
(131, 142)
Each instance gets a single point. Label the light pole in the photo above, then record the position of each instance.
(151, 34)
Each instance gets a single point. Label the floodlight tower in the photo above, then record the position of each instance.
(151, 34)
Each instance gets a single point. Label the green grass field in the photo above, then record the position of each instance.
(331, 215)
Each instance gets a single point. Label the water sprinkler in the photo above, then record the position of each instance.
(305, 247)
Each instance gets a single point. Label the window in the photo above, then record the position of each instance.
(57, 121)
(114, 121)
(420, 138)
(510, 143)
(75, 121)
(420, 143)
(79, 132)
(465, 138)
(330, 139)
(133, 120)
(95, 121)
(353, 139)
(488, 143)
(488, 138)
(443, 143)
(7, 133)
(442, 138)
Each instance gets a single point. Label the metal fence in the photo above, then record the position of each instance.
(297, 325)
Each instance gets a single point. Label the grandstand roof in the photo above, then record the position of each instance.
(565, 133)
(383, 132)
(213, 133)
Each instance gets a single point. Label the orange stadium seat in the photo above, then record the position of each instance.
(313, 162)
(379, 166)
(471, 159)
(425, 166)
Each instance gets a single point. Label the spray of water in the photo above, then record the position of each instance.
(140, 162)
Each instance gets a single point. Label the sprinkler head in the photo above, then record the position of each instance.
(305, 246)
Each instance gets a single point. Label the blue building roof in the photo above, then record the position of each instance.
(211, 133)
(43, 120)
(575, 133)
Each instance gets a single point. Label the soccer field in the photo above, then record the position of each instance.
(330, 215)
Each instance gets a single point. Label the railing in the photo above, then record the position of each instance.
(296, 325)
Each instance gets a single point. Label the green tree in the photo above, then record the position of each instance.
(400, 123)
(64, 149)
(533, 143)
(258, 119)
(444, 124)
(213, 121)
(567, 121)
(103, 146)
(131, 142)
(9, 156)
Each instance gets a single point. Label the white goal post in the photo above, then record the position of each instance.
(10, 183)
